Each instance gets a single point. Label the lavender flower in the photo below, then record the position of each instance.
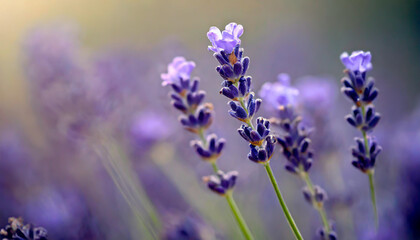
(149, 127)
(186, 97)
(178, 69)
(279, 93)
(364, 121)
(365, 161)
(358, 61)
(197, 117)
(262, 153)
(328, 235)
(362, 92)
(295, 142)
(243, 105)
(17, 230)
(186, 228)
(213, 149)
(222, 182)
(317, 94)
(227, 40)
(255, 137)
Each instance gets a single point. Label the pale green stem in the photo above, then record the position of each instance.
(373, 197)
(215, 168)
(283, 205)
(239, 219)
(234, 208)
(319, 207)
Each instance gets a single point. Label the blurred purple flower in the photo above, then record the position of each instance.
(357, 61)
(148, 127)
(59, 83)
(57, 209)
(178, 69)
(317, 94)
(279, 93)
(187, 227)
(51, 54)
(226, 40)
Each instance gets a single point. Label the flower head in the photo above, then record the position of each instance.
(18, 230)
(178, 69)
(357, 61)
(279, 93)
(365, 160)
(226, 40)
(317, 93)
(222, 182)
(210, 151)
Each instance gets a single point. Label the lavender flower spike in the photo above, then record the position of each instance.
(227, 40)
(236, 86)
(196, 118)
(178, 69)
(357, 61)
(362, 92)
(296, 144)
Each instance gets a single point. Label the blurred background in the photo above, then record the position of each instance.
(90, 147)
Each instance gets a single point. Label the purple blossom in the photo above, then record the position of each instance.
(149, 127)
(225, 40)
(178, 69)
(357, 61)
(279, 93)
(317, 93)
(221, 182)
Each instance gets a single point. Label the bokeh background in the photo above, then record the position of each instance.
(91, 149)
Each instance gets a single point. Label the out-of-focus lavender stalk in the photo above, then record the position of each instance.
(362, 92)
(237, 86)
(295, 143)
(197, 118)
(117, 165)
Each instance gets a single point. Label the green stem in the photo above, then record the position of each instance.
(239, 219)
(318, 207)
(215, 168)
(202, 137)
(283, 205)
(373, 197)
(235, 210)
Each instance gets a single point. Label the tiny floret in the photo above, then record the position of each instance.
(357, 61)
(178, 69)
(222, 182)
(225, 40)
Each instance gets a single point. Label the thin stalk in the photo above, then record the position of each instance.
(319, 207)
(370, 174)
(202, 137)
(373, 197)
(283, 205)
(234, 208)
(238, 216)
(215, 168)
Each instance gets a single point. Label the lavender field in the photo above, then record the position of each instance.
(198, 120)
